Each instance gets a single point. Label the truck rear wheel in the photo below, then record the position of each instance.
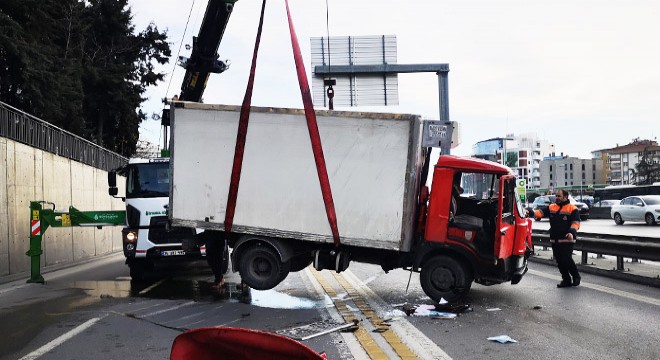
(446, 278)
(261, 268)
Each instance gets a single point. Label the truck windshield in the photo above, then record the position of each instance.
(480, 185)
(148, 180)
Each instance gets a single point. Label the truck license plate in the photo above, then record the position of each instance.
(172, 252)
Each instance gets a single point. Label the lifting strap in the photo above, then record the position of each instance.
(312, 127)
(242, 134)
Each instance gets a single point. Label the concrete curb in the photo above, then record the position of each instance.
(601, 271)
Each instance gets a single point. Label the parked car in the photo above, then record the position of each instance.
(542, 203)
(604, 203)
(637, 208)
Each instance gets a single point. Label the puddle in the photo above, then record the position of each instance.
(277, 300)
(197, 290)
(116, 289)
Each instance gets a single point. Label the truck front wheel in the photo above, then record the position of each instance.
(261, 268)
(138, 268)
(446, 278)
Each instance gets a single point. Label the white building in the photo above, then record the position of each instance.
(523, 154)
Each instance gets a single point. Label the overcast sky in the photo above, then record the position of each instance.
(584, 75)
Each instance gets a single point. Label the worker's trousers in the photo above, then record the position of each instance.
(563, 254)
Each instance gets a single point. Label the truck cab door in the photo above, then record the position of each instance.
(505, 230)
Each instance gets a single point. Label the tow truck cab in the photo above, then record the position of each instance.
(147, 238)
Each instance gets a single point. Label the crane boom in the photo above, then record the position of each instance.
(204, 57)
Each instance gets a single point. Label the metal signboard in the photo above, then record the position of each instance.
(355, 89)
(440, 134)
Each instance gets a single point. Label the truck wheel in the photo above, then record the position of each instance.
(261, 267)
(617, 219)
(138, 269)
(445, 277)
(225, 261)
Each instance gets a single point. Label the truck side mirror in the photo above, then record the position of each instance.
(112, 183)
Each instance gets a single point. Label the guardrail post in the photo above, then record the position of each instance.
(585, 256)
(619, 263)
(35, 243)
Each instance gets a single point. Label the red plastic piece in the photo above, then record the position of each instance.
(239, 344)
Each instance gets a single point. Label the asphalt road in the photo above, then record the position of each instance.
(94, 311)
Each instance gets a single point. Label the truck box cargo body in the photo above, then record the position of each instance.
(373, 162)
(469, 226)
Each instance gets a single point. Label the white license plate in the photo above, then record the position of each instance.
(172, 252)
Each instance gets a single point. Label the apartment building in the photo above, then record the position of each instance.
(621, 161)
(571, 173)
(523, 154)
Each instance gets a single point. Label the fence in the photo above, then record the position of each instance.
(635, 247)
(30, 130)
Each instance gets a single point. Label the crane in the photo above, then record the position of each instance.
(203, 59)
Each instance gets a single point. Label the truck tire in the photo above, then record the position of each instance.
(138, 269)
(261, 268)
(446, 278)
(225, 259)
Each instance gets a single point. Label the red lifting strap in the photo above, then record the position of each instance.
(313, 131)
(311, 126)
(242, 134)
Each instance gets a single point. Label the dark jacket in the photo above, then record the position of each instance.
(564, 219)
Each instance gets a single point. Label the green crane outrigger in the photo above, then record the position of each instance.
(41, 219)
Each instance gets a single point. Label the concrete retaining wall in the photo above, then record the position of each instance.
(29, 174)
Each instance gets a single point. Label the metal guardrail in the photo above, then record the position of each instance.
(30, 130)
(634, 247)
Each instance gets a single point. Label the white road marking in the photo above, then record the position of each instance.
(12, 288)
(166, 310)
(350, 347)
(604, 289)
(423, 347)
(146, 290)
(60, 340)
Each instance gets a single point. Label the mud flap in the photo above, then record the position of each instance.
(520, 269)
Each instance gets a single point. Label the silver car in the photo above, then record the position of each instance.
(637, 208)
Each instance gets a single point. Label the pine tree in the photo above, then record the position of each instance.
(80, 65)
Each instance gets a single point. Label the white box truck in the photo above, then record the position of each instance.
(384, 212)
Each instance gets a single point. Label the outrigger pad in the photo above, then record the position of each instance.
(237, 343)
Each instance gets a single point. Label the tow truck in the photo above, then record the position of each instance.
(147, 238)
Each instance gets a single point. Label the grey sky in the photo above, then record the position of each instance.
(583, 74)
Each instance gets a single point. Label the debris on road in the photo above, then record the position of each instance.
(309, 331)
(502, 339)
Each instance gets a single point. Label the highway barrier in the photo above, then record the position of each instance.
(633, 247)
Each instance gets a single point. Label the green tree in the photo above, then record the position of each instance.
(80, 65)
(40, 55)
(647, 170)
(118, 66)
(512, 159)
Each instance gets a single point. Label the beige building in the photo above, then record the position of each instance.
(571, 173)
(620, 161)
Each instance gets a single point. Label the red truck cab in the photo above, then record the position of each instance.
(476, 228)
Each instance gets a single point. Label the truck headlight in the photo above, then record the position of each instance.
(131, 236)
